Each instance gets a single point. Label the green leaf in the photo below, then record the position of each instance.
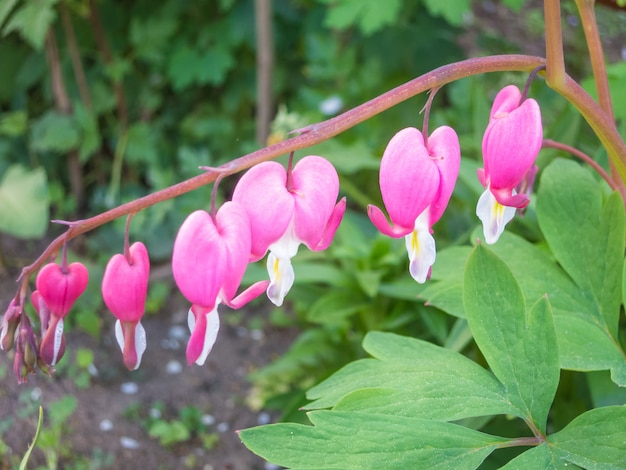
(453, 11)
(54, 132)
(369, 15)
(425, 381)
(445, 288)
(586, 237)
(520, 348)
(32, 21)
(334, 307)
(583, 342)
(24, 202)
(5, 9)
(344, 440)
(537, 458)
(89, 132)
(594, 440)
(13, 124)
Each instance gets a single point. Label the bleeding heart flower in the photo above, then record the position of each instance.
(416, 183)
(511, 143)
(208, 262)
(124, 290)
(287, 208)
(58, 287)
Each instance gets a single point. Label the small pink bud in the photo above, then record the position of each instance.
(10, 320)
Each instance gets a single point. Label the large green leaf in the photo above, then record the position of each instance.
(345, 440)
(594, 440)
(587, 239)
(585, 235)
(583, 340)
(24, 202)
(411, 377)
(520, 347)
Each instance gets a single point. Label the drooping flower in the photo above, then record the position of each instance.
(208, 262)
(124, 290)
(416, 183)
(58, 287)
(511, 143)
(287, 208)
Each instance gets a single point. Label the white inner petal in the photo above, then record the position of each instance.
(420, 246)
(281, 278)
(58, 340)
(210, 335)
(119, 335)
(494, 216)
(140, 342)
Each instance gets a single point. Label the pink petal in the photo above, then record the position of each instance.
(331, 226)
(263, 193)
(204, 325)
(61, 289)
(511, 143)
(199, 260)
(125, 286)
(234, 230)
(131, 337)
(408, 178)
(380, 222)
(52, 345)
(315, 191)
(444, 149)
(251, 293)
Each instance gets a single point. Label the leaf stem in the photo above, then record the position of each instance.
(549, 143)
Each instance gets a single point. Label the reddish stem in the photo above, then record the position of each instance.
(322, 131)
(549, 143)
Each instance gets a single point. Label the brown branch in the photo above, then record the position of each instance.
(107, 56)
(64, 106)
(77, 63)
(264, 68)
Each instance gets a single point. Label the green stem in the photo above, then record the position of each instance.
(596, 54)
(555, 63)
(522, 442)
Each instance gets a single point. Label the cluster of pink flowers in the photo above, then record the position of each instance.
(418, 174)
(275, 210)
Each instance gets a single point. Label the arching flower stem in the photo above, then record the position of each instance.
(316, 133)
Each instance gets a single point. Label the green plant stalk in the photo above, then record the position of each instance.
(596, 115)
(596, 54)
(24, 461)
(316, 133)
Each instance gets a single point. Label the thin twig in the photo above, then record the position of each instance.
(107, 56)
(77, 64)
(264, 68)
(64, 106)
(549, 143)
